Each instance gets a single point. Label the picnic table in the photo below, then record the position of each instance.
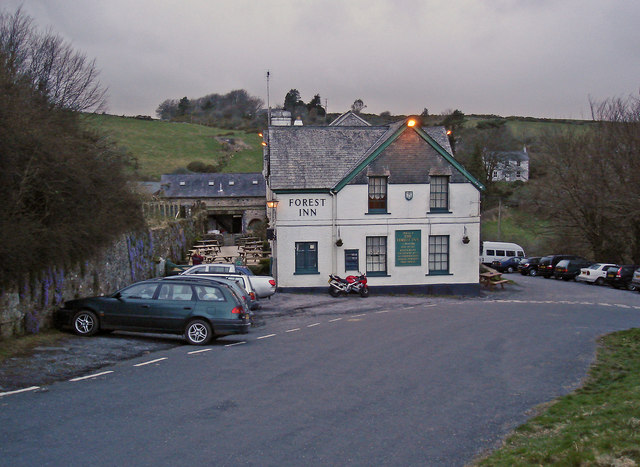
(491, 279)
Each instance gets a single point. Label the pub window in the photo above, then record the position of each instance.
(377, 256)
(377, 194)
(438, 254)
(439, 200)
(306, 257)
(351, 260)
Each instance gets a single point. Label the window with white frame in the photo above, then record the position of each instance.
(376, 256)
(438, 254)
(439, 199)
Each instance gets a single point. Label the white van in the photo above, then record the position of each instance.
(493, 251)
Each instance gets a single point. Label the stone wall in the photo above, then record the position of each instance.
(28, 308)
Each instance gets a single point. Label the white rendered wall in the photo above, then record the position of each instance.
(309, 218)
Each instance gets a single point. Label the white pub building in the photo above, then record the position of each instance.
(390, 201)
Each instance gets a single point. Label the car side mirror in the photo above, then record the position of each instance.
(117, 295)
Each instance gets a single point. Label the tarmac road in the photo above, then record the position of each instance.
(401, 380)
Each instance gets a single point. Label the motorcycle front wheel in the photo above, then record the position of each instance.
(364, 292)
(333, 291)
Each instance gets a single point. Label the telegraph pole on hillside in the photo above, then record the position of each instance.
(268, 104)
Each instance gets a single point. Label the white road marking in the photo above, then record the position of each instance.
(382, 311)
(361, 314)
(264, 337)
(409, 307)
(18, 391)
(312, 325)
(235, 343)
(151, 361)
(198, 351)
(292, 330)
(332, 320)
(90, 376)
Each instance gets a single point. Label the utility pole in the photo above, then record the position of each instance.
(268, 104)
(499, 218)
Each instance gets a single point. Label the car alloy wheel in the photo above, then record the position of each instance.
(599, 281)
(85, 323)
(198, 332)
(533, 272)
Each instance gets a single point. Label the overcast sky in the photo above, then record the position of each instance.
(542, 58)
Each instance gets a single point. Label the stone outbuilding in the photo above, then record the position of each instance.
(235, 202)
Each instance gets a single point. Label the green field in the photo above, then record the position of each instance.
(163, 147)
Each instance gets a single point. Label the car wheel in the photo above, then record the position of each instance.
(599, 281)
(364, 292)
(198, 332)
(85, 323)
(509, 269)
(631, 287)
(334, 292)
(533, 272)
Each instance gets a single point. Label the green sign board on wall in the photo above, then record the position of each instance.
(408, 247)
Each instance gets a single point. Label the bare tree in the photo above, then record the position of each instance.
(592, 185)
(66, 78)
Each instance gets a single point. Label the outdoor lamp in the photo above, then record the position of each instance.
(273, 203)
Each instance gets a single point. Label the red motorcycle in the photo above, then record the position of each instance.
(357, 284)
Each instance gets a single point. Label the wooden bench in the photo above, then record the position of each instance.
(491, 279)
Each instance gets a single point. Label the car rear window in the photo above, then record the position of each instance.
(209, 294)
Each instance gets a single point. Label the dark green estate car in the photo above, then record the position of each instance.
(200, 310)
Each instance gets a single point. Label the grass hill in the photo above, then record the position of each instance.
(163, 147)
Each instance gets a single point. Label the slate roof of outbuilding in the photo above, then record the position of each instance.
(506, 156)
(318, 158)
(198, 185)
(349, 119)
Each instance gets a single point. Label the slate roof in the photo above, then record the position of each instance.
(349, 119)
(214, 185)
(318, 158)
(507, 156)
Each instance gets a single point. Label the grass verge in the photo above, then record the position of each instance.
(15, 346)
(597, 425)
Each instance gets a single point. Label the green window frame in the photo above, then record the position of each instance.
(306, 258)
(377, 256)
(439, 190)
(439, 254)
(377, 195)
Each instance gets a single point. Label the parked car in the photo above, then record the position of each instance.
(264, 286)
(568, 269)
(242, 279)
(199, 310)
(595, 274)
(236, 282)
(506, 264)
(529, 266)
(548, 263)
(635, 281)
(621, 277)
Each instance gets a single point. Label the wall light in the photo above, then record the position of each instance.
(273, 203)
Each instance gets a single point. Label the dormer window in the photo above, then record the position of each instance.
(377, 195)
(231, 183)
(439, 188)
(211, 183)
(255, 182)
(183, 183)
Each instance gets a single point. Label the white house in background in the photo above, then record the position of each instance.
(510, 166)
(390, 201)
